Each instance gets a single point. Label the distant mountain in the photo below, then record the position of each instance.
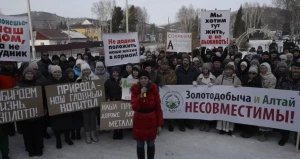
(45, 20)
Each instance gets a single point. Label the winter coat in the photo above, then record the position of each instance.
(278, 74)
(216, 72)
(91, 77)
(242, 74)
(113, 90)
(102, 75)
(153, 76)
(64, 65)
(43, 67)
(62, 121)
(288, 83)
(186, 77)
(4, 129)
(8, 79)
(148, 115)
(166, 78)
(268, 80)
(77, 71)
(255, 82)
(201, 80)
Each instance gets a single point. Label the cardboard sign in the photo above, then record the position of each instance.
(126, 88)
(121, 48)
(116, 115)
(215, 25)
(14, 38)
(179, 42)
(71, 97)
(21, 104)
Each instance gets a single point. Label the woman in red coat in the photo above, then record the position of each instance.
(148, 116)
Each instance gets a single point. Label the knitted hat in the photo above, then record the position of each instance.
(85, 66)
(116, 69)
(55, 57)
(26, 70)
(297, 64)
(33, 65)
(144, 73)
(282, 64)
(195, 59)
(207, 66)
(142, 57)
(289, 54)
(244, 63)
(283, 57)
(253, 69)
(256, 56)
(68, 70)
(253, 62)
(79, 61)
(229, 66)
(99, 64)
(217, 59)
(61, 55)
(55, 68)
(136, 68)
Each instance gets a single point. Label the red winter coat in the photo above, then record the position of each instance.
(147, 113)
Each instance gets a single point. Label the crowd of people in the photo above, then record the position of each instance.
(216, 66)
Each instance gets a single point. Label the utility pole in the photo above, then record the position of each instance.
(68, 24)
(31, 31)
(127, 27)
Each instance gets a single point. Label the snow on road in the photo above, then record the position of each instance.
(192, 144)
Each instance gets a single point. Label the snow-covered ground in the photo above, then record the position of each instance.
(192, 144)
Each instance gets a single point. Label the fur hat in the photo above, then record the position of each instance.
(79, 61)
(253, 62)
(289, 54)
(28, 69)
(207, 66)
(195, 59)
(33, 65)
(116, 69)
(144, 73)
(55, 68)
(282, 64)
(283, 57)
(253, 69)
(85, 66)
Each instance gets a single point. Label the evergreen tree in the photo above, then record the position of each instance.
(117, 19)
(132, 18)
(239, 25)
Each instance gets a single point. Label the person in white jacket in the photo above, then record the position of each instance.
(89, 115)
(205, 78)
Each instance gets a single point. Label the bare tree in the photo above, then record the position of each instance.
(186, 17)
(48, 23)
(103, 9)
(253, 14)
(143, 20)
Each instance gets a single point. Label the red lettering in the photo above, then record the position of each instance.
(7, 30)
(188, 105)
(279, 117)
(233, 110)
(240, 111)
(111, 41)
(15, 38)
(201, 110)
(248, 111)
(257, 112)
(18, 31)
(195, 107)
(224, 109)
(215, 108)
(208, 108)
(268, 115)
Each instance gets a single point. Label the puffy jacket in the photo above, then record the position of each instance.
(186, 77)
(8, 79)
(113, 90)
(147, 112)
(256, 82)
(43, 67)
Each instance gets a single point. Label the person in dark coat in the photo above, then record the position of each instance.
(44, 64)
(64, 64)
(33, 129)
(217, 67)
(272, 45)
(71, 62)
(149, 66)
(242, 69)
(77, 123)
(252, 80)
(148, 115)
(127, 71)
(282, 70)
(63, 122)
(113, 92)
(186, 74)
(4, 146)
(79, 56)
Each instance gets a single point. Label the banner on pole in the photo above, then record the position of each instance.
(126, 88)
(252, 106)
(116, 115)
(71, 97)
(215, 27)
(179, 42)
(121, 48)
(21, 104)
(14, 38)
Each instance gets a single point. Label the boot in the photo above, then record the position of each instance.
(282, 142)
(207, 127)
(222, 132)
(120, 134)
(246, 135)
(94, 136)
(58, 140)
(171, 128)
(73, 134)
(46, 135)
(115, 135)
(263, 137)
(78, 136)
(5, 156)
(202, 127)
(140, 152)
(88, 137)
(150, 152)
(67, 138)
(181, 125)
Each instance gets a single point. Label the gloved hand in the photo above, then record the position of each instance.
(158, 130)
(195, 83)
(210, 85)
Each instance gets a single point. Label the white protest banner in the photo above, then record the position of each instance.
(121, 48)
(126, 88)
(179, 42)
(253, 106)
(14, 38)
(215, 26)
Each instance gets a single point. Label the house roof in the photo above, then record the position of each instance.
(52, 34)
(75, 35)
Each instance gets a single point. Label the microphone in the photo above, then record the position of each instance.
(144, 95)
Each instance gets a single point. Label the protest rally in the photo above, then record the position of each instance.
(216, 83)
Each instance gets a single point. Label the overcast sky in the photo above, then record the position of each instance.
(159, 10)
